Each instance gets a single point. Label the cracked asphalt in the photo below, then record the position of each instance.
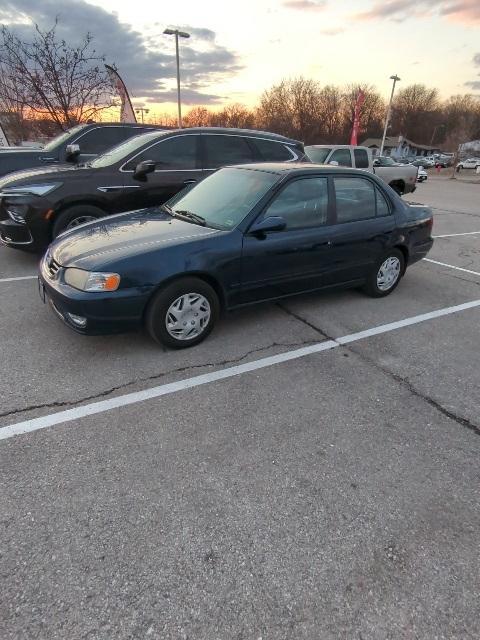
(332, 496)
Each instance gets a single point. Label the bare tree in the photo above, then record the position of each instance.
(234, 115)
(50, 78)
(197, 117)
(413, 109)
(371, 114)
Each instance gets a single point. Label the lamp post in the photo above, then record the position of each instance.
(141, 110)
(177, 34)
(438, 126)
(395, 79)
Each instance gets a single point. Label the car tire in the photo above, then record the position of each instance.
(397, 189)
(183, 313)
(73, 216)
(386, 274)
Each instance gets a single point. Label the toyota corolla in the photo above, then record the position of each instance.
(245, 234)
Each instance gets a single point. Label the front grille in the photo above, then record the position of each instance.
(52, 267)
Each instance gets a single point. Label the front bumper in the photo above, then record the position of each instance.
(105, 313)
(15, 234)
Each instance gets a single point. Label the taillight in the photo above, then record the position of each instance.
(430, 223)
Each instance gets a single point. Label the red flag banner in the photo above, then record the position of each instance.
(127, 114)
(356, 118)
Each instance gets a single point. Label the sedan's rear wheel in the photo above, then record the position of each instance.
(183, 313)
(386, 275)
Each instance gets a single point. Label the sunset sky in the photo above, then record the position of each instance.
(238, 49)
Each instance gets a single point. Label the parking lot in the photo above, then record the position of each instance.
(309, 471)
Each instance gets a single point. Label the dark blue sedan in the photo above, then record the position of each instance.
(243, 235)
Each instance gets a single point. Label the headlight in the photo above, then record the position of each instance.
(91, 280)
(31, 189)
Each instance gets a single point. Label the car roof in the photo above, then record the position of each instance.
(254, 133)
(295, 167)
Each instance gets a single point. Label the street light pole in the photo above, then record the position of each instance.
(395, 79)
(438, 126)
(177, 34)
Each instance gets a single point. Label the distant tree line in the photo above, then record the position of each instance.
(48, 85)
(303, 109)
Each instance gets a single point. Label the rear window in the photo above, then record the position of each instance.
(361, 158)
(223, 150)
(271, 151)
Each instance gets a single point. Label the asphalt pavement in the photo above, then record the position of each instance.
(330, 495)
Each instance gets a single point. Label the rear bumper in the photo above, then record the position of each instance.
(114, 312)
(420, 251)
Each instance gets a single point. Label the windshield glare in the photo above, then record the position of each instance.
(62, 137)
(317, 155)
(123, 150)
(226, 197)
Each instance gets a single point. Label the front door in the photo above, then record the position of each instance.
(177, 165)
(295, 259)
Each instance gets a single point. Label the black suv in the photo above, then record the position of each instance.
(79, 144)
(37, 205)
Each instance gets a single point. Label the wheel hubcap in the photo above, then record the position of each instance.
(388, 273)
(80, 220)
(187, 317)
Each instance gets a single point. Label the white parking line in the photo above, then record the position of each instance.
(452, 235)
(35, 424)
(19, 278)
(451, 266)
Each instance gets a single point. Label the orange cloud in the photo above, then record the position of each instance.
(306, 5)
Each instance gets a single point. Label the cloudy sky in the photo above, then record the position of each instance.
(238, 49)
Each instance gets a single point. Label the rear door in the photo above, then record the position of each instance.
(364, 224)
(296, 259)
(177, 165)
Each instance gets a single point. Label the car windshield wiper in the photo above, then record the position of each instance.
(190, 216)
(168, 209)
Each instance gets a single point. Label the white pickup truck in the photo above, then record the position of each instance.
(401, 177)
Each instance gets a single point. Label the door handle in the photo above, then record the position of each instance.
(189, 182)
(43, 159)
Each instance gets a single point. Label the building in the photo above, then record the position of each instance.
(399, 147)
(470, 148)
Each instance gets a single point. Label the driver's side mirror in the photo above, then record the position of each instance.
(272, 223)
(334, 163)
(376, 163)
(143, 169)
(72, 151)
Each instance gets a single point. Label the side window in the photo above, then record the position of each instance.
(224, 150)
(101, 139)
(179, 152)
(361, 158)
(272, 151)
(302, 203)
(342, 156)
(355, 198)
(382, 206)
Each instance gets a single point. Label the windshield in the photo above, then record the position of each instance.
(125, 149)
(225, 197)
(53, 144)
(317, 154)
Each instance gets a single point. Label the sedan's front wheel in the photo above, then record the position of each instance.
(183, 313)
(386, 274)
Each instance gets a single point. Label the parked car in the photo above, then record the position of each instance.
(422, 174)
(37, 205)
(469, 163)
(243, 235)
(423, 162)
(79, 144)
(402, 178)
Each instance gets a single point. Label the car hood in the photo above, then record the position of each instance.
(99, 243)
(39, 175)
